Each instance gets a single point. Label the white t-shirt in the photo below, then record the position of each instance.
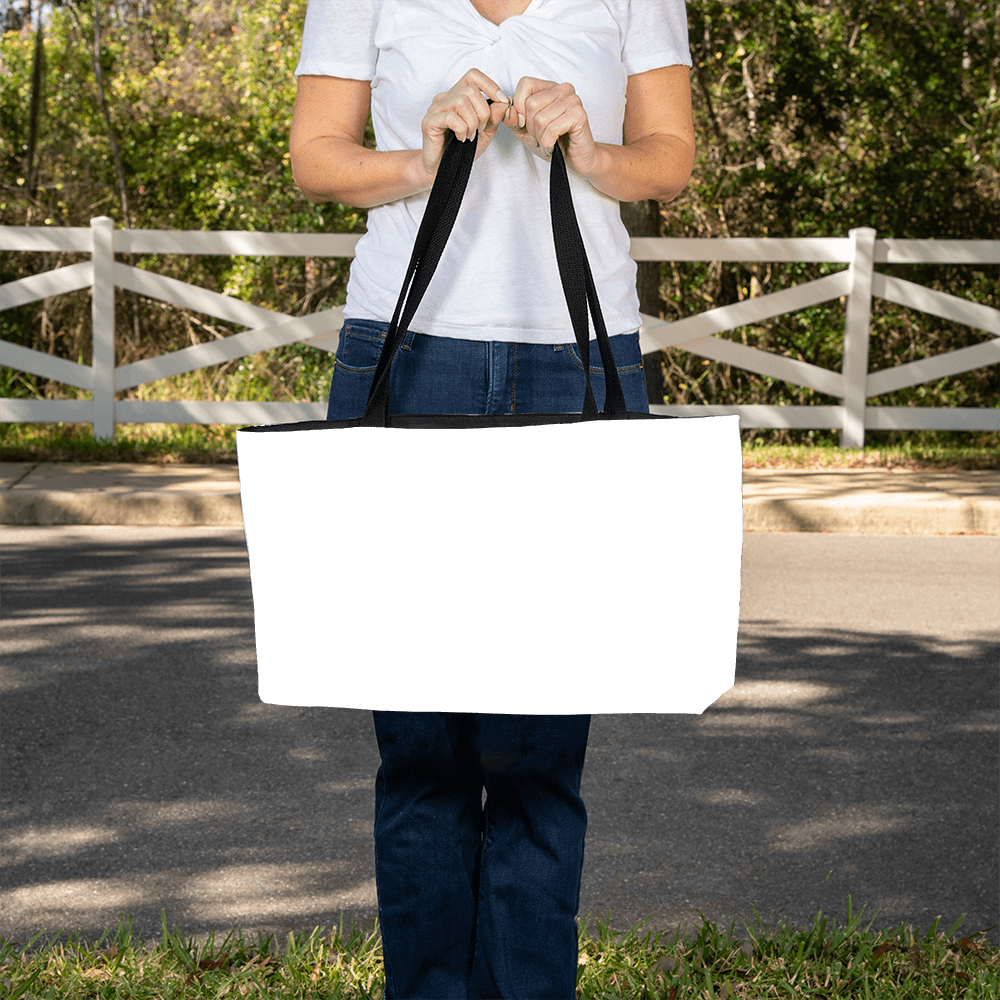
(498, 278)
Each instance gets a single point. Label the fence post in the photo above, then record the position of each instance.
(102, 314)
(857, 326)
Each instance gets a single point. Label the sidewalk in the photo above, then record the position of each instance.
(845, 501)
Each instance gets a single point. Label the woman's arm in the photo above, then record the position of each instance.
(329, 158)
(656, 166)
(658, 152)
(327, 169)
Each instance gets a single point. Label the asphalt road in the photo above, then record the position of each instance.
(857, 754)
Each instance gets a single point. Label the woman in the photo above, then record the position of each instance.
(480, 900)
(492, 334)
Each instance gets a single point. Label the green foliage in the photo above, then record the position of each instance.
(825, 961)
(815, 118)
(201, 97)
(812, 118)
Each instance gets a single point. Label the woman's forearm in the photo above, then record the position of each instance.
(330, 169)
(339, 170)
(657, 167)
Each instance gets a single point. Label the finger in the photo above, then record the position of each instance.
(462, 128)
(556, 125)
(510, 119)
(527, 87)
(498, 113)
(478, 79)
(474, 108)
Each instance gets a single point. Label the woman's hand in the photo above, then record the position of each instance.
(542, 112)
(464, 111)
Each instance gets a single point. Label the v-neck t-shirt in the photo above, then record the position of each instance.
(498, 278)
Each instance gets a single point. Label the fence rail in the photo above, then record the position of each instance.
(854, 385)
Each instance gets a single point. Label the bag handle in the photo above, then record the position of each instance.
(443, 204)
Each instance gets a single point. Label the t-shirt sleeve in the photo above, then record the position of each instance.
(655, 35)
(338, 39)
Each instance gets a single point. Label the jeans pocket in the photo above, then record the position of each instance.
(625, 349)
(357, 358)
(628, 362)
(359, 348)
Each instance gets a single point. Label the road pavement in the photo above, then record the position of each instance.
(856, 755)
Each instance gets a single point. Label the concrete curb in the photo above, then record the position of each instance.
(844, 501)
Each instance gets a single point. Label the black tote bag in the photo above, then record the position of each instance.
(487, 576)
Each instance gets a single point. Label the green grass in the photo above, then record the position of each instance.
(216, 444)
(826, 961)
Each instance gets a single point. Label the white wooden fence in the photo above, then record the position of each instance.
(854, 385)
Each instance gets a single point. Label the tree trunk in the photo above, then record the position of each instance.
(642, 218)
(113, 139)
(37, 82)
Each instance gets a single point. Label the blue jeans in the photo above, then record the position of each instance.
(446, 375)
(479, 901)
